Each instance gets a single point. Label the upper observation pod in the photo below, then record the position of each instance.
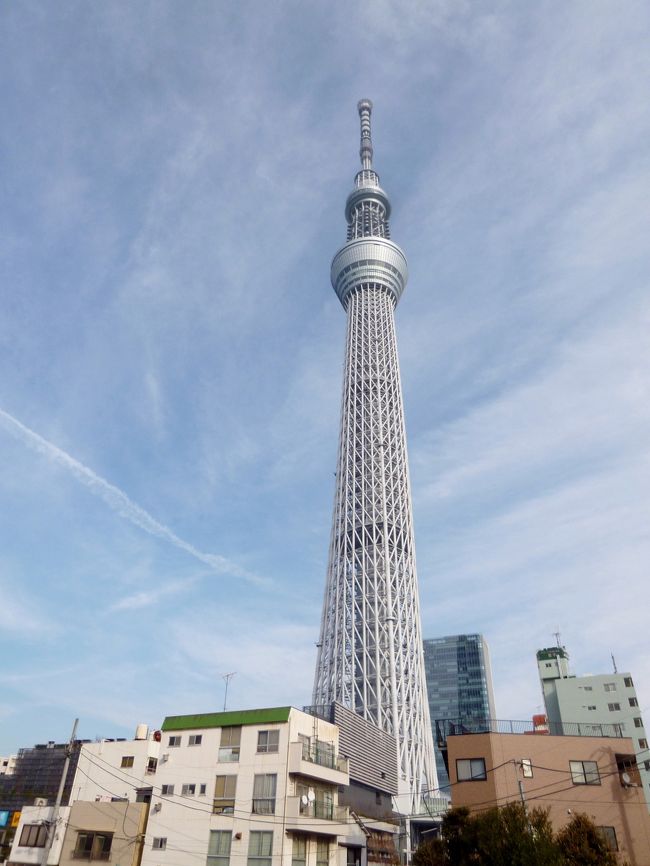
(369, 258)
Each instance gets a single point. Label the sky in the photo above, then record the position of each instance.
(173, 180)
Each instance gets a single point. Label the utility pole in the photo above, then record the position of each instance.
(51, 824)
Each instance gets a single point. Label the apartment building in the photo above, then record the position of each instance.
(594, 700)
(565, 774)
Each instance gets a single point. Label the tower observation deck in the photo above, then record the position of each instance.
(370, 655)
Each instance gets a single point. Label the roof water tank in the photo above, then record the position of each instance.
(142, 732)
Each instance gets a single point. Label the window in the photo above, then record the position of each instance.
(268, 741)
(260, 846)
(142, 795)
(33, 836)
(196, 739)
(609, 835)
(584, 772)
(591, 707)
(470, 770)
(588, 688)
(93, 846)
(646, 766)
(633, 702)
(610, 687)
(174, 742)
(643, 743)
(628, 682)
(299, 851)
(527, 768)
(202, 789)
(638, 722)
(229, 745)
(152, 765)
(159, 843)
(127, 761)
(167, 790)
(188, 790)
(264, 794)
(224, 795)
(613, 708)
(219, 848)
(322, 852)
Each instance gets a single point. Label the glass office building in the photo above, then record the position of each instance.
(459, 684)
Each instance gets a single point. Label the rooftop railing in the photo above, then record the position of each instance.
(459, 727)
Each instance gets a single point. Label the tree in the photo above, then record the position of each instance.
(582, 844)
(510, 836)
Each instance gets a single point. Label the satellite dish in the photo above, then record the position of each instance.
(304, 800)
(311, 796)
(625, 778)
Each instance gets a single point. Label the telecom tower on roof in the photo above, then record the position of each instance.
(370, 655)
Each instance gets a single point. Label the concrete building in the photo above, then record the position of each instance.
(108, 831)
(564, 774)
(593, 700)
(459, 684)
(8, 765)
(270, 786)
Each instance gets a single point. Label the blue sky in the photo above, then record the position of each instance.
(171, 350)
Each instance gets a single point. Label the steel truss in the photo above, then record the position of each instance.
(370, 655)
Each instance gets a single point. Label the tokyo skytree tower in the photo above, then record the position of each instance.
(370, 655)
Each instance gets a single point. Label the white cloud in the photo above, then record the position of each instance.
(117, 500)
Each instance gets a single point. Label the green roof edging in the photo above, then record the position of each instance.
(224, 720)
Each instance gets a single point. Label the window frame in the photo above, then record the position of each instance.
(609, 835)
(268, 747)
(299, 841)
(159, 843)
(220, 856)
(127, 762)
(195, 740)
(257, 853)
(527, 768)
(264, 803)
(167, 790)
(584, 772)
(229, 744)
(225, 794)
(175, 741)
(93, 851)
(38, 831)
(188, 789)
(471, 777)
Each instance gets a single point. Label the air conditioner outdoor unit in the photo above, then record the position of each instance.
(164, 757)
(40, 801)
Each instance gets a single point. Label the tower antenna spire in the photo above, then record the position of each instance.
(365, 151)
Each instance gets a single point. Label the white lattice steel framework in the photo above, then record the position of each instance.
(370, 655)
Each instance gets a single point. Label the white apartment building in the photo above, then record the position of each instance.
(593, 702)
(259, 787)
(7, 765)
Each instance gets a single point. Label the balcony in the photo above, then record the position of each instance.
(319, 764)
(317, 817)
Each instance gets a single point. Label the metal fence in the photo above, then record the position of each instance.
(459, 727)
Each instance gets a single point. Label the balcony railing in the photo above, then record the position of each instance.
(458, 727)
(324, 756)
(322, 809)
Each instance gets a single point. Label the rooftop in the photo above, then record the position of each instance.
(460, 727)
(265, 716)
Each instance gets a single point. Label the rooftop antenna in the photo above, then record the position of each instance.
(614, 664)
(556, 635)
(227, 678)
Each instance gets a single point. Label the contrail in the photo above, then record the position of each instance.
(117, 500)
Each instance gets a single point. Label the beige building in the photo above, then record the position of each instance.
(112, 832)
(564, 774)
